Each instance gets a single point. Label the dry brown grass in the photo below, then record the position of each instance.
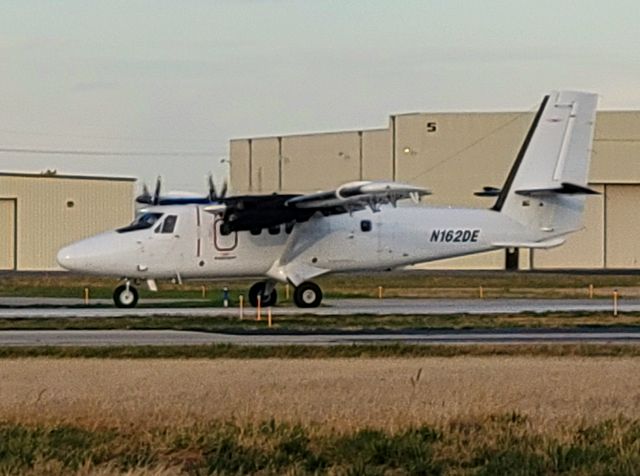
(56, 468)
(341, 394)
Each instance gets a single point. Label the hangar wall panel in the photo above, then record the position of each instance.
(239, 157)
(55, 211)
(583, 249)
(525, 258)
(463, 154)
(376, 154)
(622, 226)
(321, 161)
(264, 165)
(615, 161)
(618, 125)
(7, 234)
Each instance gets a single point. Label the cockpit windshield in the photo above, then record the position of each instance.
(143, 221)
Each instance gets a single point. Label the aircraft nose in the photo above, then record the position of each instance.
(97, 254)
(72, 257)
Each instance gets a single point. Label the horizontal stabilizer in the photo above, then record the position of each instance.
(552, 243)
(565, 188)
(488, 192)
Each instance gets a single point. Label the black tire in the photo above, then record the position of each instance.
(307, 295)
(124, 298)
(258, 290)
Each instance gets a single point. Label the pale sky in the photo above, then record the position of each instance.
(175, 80)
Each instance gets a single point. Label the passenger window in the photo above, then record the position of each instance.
(288, 228)
(365, 225)
(274, 230)
(256, 231)
(169, 224)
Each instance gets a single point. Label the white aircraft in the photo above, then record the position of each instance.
(296, 238)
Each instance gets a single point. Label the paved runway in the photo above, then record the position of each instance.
(339, 307)
(169, 337)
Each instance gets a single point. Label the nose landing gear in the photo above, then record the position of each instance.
(125, 295)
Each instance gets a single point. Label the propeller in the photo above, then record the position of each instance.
(213, 194)
(173, 198)
(212, 189)
(146, 198)
(156, 194)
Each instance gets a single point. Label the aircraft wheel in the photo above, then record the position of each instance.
(123, 297)
(307, 295)
(258, 289)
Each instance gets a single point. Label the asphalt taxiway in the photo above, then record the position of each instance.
(21, 308)
(97, 338)
(25, 308)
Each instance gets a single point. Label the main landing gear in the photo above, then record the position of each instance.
(125, 295)
(307, 295)
(266, 291)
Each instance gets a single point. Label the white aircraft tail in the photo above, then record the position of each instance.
(547, 184)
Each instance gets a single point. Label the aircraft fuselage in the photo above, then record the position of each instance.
(198, 248)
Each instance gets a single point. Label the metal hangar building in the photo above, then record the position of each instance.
(455, 155)
(40, 213)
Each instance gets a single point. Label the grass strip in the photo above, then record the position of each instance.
(493, 444)
(336, 323)
(395, 284)
(233, 351)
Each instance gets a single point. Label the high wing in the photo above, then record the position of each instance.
(263, 211)
(358, 195)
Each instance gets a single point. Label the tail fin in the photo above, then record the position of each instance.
(547, 184)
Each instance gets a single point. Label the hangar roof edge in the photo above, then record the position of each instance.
(302, 134)
(290, 135)
(72, 177)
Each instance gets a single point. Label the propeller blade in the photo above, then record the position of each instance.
(156, 194)
(223, 192)
(145, 196)
(212, 189)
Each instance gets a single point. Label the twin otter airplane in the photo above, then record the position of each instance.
(296, 238)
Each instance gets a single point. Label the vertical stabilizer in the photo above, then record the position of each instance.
(547, 184)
